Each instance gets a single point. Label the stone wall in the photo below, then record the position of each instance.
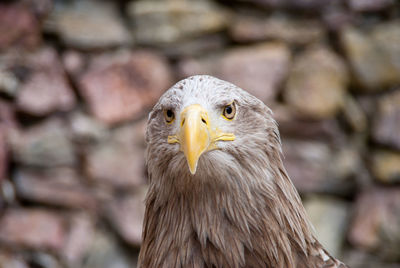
(77, 79)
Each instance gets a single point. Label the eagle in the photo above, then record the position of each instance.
(219, 195)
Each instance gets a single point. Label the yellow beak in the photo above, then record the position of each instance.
(196, 135)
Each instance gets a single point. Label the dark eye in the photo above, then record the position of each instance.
(229, 111)
(169, 115)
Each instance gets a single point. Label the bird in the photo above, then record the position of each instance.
(218, 194)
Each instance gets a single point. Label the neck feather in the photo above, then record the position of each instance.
(245, 222)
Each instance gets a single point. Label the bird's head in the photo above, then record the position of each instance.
(203, 126)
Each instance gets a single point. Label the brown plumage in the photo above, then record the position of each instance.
(219, 195)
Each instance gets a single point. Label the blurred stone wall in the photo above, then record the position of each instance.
(77, 79)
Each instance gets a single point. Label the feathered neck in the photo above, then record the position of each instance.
(255, 221)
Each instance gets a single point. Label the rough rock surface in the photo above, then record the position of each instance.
(386, 166)
(127, 214)
(386, 127)
(374, 60)
(317, 83)
(59, 187)
(89, 24)
(329, 217)
(299, 32)
(259, 69)
(45, 145)
(119, 87)
(160, 22)
(19, 27)
(32, 228)
(47, 80)
(375, 225)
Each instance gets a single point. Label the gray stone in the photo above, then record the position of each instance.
(78, 240)
(32, 228)
(118, 162)
(87, 129)
(44, 145)
(43, 260)
(120, 86)
(127, 215)
(386, 166)
(296, 32)
(374, 62)
(8, 82)
(259, 69)
(57, 187)
(291, 124)
(46, 90)
(370, 5)
(3, 154)
(329, 217)
(360, 259)
(104, 252)
(354, 115)
(317, 83)
(8, 260)
(375, 224)
(315, 167)
(19, 27)
(386, 123)
(163, 22)
(89, 24)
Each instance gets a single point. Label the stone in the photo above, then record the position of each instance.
(386, 121)
(8, 82)
(8, 260)
(121, 86)
(165, 22)
(32, 228)
(371, 62)
(360, 259)
(43, 260)
(56, 187)
(375, 224)
(329, 217)
(45, 145)
(104, 252)
(86, 129)
(354, 115)
(297, 32)
(115, 163)
(196, 46)
(259, 69)
(387, 36)
(386, 166)
(127, 214)
(46, 90)
(19, 27)
(8, 121)
(317, 83)
(78, 240)
(89, 24)
(74, 63)
(3, 155)
(315, 167)
(292, 125)
(370, 5)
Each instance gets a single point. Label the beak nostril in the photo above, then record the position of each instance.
(204, 121)
(183, 122)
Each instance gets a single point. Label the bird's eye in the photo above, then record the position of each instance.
(229, 111)
(169, 115)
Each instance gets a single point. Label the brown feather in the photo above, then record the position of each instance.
(240, 209)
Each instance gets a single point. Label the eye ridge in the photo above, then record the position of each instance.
(229, 111)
